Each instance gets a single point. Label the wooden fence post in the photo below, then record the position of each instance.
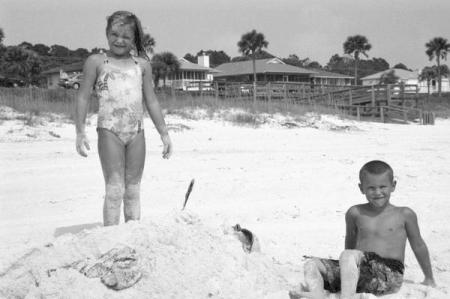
(382, 114)
(358, 113)
(285, 96)
(372, 94)
(254, 94)
(388, 94)
(216, 90)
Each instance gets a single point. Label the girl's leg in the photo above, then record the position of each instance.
(134, 167)
(349, 264)
(112, 157)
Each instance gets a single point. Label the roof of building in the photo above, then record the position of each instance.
(73, 67)
(400, 73)
(78, 67)
(189, 66)
(326, 74)
(263, 66)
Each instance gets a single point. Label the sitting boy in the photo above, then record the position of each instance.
(375, 241)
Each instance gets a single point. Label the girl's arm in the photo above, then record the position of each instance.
(154, 109)
(82, 103)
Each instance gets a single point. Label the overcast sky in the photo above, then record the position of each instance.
(397, 29)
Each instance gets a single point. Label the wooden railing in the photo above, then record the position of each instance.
(382, 102)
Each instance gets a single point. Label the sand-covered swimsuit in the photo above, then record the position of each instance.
(119, 91)
(377, 275)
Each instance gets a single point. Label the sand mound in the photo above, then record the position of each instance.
(180, 258)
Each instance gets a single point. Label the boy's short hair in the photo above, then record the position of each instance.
(376, 167)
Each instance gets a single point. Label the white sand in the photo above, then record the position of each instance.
(290, 186)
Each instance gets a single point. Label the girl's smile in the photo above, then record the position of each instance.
(121, 39)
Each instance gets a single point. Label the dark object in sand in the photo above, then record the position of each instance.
(246, 237)
(188, 192)
(117, 268)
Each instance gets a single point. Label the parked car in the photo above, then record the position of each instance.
(71, 82)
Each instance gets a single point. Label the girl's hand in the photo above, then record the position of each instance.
(82, 144)
(168, 147)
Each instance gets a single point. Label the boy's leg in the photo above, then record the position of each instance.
(349, 262)
(111, 151)
(314, 271)
(134, 167)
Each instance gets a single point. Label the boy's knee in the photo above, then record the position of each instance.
(310, 264)
(350, 256)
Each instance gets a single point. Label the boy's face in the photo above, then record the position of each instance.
(120, 38)
(377, 188)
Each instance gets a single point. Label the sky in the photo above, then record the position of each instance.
(396, 29)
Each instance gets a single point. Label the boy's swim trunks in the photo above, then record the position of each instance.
(377, 275)
(119, 92)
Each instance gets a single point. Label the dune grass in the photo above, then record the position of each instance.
(439, 105)
(36, 101)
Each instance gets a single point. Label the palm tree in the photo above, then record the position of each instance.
(389, 78)
(437, 47)
(428, 73)
(148, 43)
(251, 43)
(356, 45)
(164, 64)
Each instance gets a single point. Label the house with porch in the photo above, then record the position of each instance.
(191, 75)
(408, 78)
(275, 70)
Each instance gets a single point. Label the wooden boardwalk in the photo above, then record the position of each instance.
(385, 103)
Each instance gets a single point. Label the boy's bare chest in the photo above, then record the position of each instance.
(382, 226)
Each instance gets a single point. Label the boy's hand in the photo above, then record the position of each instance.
(82, 144)
(429, 282)
(168, 147)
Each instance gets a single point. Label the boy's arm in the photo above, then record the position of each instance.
(154, 109)
(418, 245)
(82, 103)
(350, 228)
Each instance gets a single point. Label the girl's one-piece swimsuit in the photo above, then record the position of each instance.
(119, 91)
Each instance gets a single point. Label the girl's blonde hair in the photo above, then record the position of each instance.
(130, 19)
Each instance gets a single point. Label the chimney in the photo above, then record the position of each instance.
(203, 60)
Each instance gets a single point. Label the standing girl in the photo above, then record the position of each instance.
(123, 84)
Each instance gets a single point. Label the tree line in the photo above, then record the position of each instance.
(27, 61)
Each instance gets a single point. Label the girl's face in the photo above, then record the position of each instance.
(120, 38)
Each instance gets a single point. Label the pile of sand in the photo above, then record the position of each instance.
(180, 257)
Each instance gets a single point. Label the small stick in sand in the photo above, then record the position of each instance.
(188, 192)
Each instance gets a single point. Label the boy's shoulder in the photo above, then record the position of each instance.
(406, 212)
(356, 209)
